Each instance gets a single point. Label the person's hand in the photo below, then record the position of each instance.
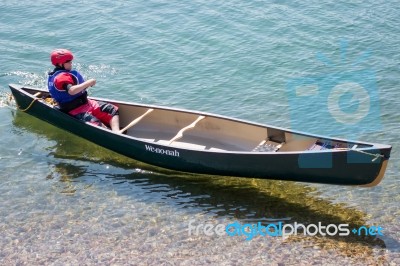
(92, 82)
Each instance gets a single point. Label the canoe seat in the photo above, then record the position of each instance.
(268, 145)
(317, 146)
(329, 145)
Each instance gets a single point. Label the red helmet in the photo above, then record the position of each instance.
(60, 56)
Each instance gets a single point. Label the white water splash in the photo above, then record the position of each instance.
(7, 100)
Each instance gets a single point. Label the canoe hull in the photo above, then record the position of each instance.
(338, 167)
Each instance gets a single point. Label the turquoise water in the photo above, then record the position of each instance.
(66, 200)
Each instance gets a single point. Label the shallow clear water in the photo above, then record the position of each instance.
(65, 200)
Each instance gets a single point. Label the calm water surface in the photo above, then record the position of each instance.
(65, 200)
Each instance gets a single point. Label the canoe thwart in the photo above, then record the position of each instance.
(134, 122)
(37, 94)
(179, 135)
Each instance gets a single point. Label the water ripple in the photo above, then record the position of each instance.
(73, 201)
